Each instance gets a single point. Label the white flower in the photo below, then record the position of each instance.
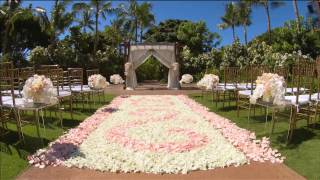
(97, 81)
(209, 82)
(186, 78)
(271, 87)
(116, 79)
(155, 128)
(39, 89)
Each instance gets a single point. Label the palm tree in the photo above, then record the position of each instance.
(86, 16)
(267, 4)
(230, 19)
(145, 17)
(296, 11)
(127, 19)
(100, 8)
(244, 10)
(60, 19)
(9, 10)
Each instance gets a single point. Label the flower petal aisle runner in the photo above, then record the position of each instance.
(155, 134)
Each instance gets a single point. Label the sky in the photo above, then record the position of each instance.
(210, 12)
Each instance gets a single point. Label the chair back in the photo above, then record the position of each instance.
(231, 75)
(92, 72)
(75, 77)
(26, 72)
(303, 78)
(49, 67)
(7, 85)
(6, 65)
(56, 77)
(253, 72)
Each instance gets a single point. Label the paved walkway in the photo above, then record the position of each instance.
(250, 171)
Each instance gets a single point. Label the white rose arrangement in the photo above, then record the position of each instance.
(271, 87)
(186, 78)
(209, 82)
(39, 89)
(97, 81)
(116, 79)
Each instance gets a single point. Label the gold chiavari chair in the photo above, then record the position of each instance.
(90, 72)
(56, 76)
(251, 73)
(75, 78)
(229, 86)
(303, 77)
(8, 99)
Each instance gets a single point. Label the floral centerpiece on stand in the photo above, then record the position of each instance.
(39, 89)
(186, 78)
(271, 87)
(97, 81)
(209, 82)
(116, 79)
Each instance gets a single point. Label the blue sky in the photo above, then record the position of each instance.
(210, 12)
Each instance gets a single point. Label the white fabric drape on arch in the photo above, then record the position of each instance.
(140, 53)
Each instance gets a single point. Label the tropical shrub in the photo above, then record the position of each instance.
(235, 55)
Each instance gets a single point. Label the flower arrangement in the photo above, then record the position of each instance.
(116, 79)
(209, 82)
(97, 81)
(186, 78)
(271, 87)
(39, 89)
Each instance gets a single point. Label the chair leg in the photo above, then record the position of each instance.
(291, 122)
(71, 106)
(237, 104)
(273, 120)
(249, 113)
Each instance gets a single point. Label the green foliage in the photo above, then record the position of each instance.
(235, 55)
(39, 55)
(197, 36)
(152, 69)
(287, 39)
(166, 31)
(198, 65)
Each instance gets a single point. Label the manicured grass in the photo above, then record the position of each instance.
(302, 154)
(13, 153)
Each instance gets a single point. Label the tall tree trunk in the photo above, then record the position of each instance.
(141, 32)
(233, 33)
(296, 11)
(269, 21)
(96, 33)
(136, 21)
(245, 33)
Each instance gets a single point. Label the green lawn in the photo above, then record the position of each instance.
(302, 154)
(13, 154)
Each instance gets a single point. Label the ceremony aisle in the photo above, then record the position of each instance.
(155, 134)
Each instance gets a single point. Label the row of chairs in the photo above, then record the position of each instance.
(302, 92)
(69, 86)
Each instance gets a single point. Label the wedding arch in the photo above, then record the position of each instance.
(165, 53)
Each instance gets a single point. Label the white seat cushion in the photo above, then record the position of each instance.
(294, 90)
(303, 99)
(85, 88)
(245, 93)
(9, 102)
(64, 93)
(16, 92)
